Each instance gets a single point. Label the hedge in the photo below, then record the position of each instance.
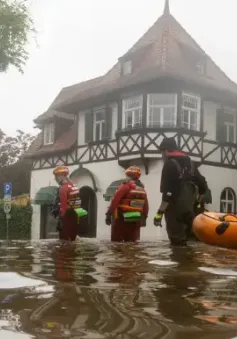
(19, 224)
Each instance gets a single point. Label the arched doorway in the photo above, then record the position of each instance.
(88, 225)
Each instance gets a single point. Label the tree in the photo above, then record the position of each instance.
(13, 148)
(15, 25)
(13, 166)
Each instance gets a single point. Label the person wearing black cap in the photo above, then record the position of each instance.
(179, 191)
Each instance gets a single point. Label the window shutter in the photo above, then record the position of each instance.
(88, 127)
(220, 127)
(108, 122)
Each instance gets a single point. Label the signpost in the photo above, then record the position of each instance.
(7, 202)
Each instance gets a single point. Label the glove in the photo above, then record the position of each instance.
(59, 224)
(199, 208)
(158, 219)
(108, 219)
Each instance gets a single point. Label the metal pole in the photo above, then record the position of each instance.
(7, 228)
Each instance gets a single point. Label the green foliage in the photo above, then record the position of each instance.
(19, 224)
(16, 23)
(13, 148)
(19, 175)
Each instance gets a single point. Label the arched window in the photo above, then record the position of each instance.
(228, 201)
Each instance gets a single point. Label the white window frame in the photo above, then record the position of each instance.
(127, 67)
(174, 122)
(133, 110)
(228, 124)
(100, 123)
(49, 136)
(226, 201)
(200, 67)
(191, 111)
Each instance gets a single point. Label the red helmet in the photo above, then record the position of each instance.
(133, 172)
(61, 170)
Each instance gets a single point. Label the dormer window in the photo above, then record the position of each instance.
(200, 68)
(49, 134)
(127, 67)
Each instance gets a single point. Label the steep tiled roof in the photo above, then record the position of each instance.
(69, 91)
(50, 114)
(168, 47)
(64, 142)
(65, 94)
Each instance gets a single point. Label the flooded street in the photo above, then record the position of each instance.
(98, 290)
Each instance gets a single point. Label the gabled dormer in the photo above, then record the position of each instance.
(53, 124)
(195, 59)
(133, 60)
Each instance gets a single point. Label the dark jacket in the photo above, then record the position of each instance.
(171, 177)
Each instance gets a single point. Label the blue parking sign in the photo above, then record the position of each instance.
(7, 188)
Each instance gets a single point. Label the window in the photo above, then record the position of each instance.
(228, 201)
(190, 114)
(230, 126)
(132, 112)
(49, 134)
(99, 125)
(162, 110)
(127, 67)
(200, 67)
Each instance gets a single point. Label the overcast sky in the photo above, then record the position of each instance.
(81, 39)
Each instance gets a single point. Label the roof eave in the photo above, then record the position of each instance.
(72, 106)
(39, 153)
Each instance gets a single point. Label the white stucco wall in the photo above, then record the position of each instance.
(209, 121)
(106, 172)
(218, 178)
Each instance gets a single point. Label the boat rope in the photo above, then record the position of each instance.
(208, 216)
(224, 225)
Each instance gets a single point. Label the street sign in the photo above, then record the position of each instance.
(7, 197)
(7, 207)
(7, 188)
(8, 216)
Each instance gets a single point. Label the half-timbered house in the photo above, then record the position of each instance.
(165, 85)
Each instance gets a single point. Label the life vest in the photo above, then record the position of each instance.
(74, 200)
(134, 200)
(73, 195)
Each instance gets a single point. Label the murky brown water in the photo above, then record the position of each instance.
(98, 290)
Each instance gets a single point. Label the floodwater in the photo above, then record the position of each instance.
(99, 290)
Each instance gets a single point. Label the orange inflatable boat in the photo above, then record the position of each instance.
(216, 229)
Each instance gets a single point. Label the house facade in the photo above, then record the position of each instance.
(165, 85)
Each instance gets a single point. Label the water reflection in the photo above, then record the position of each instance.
(101, 290)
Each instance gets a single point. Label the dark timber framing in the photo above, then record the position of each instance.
(132, 143)
(143, 143)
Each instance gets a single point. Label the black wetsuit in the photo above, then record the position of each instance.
(178, 188)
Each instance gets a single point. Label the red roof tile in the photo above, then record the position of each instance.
(51, 114)
(64, 142)
(168, 47)
(65, 94)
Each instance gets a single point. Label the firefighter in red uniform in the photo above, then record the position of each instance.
(129, 208)
(67, 206)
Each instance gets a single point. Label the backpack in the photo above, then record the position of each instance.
(188, 190)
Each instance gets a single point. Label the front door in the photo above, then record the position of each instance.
(88, 225)
(48, 224)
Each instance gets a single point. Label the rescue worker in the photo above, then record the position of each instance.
(128, 209)
(68, 205)
(179, 191)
